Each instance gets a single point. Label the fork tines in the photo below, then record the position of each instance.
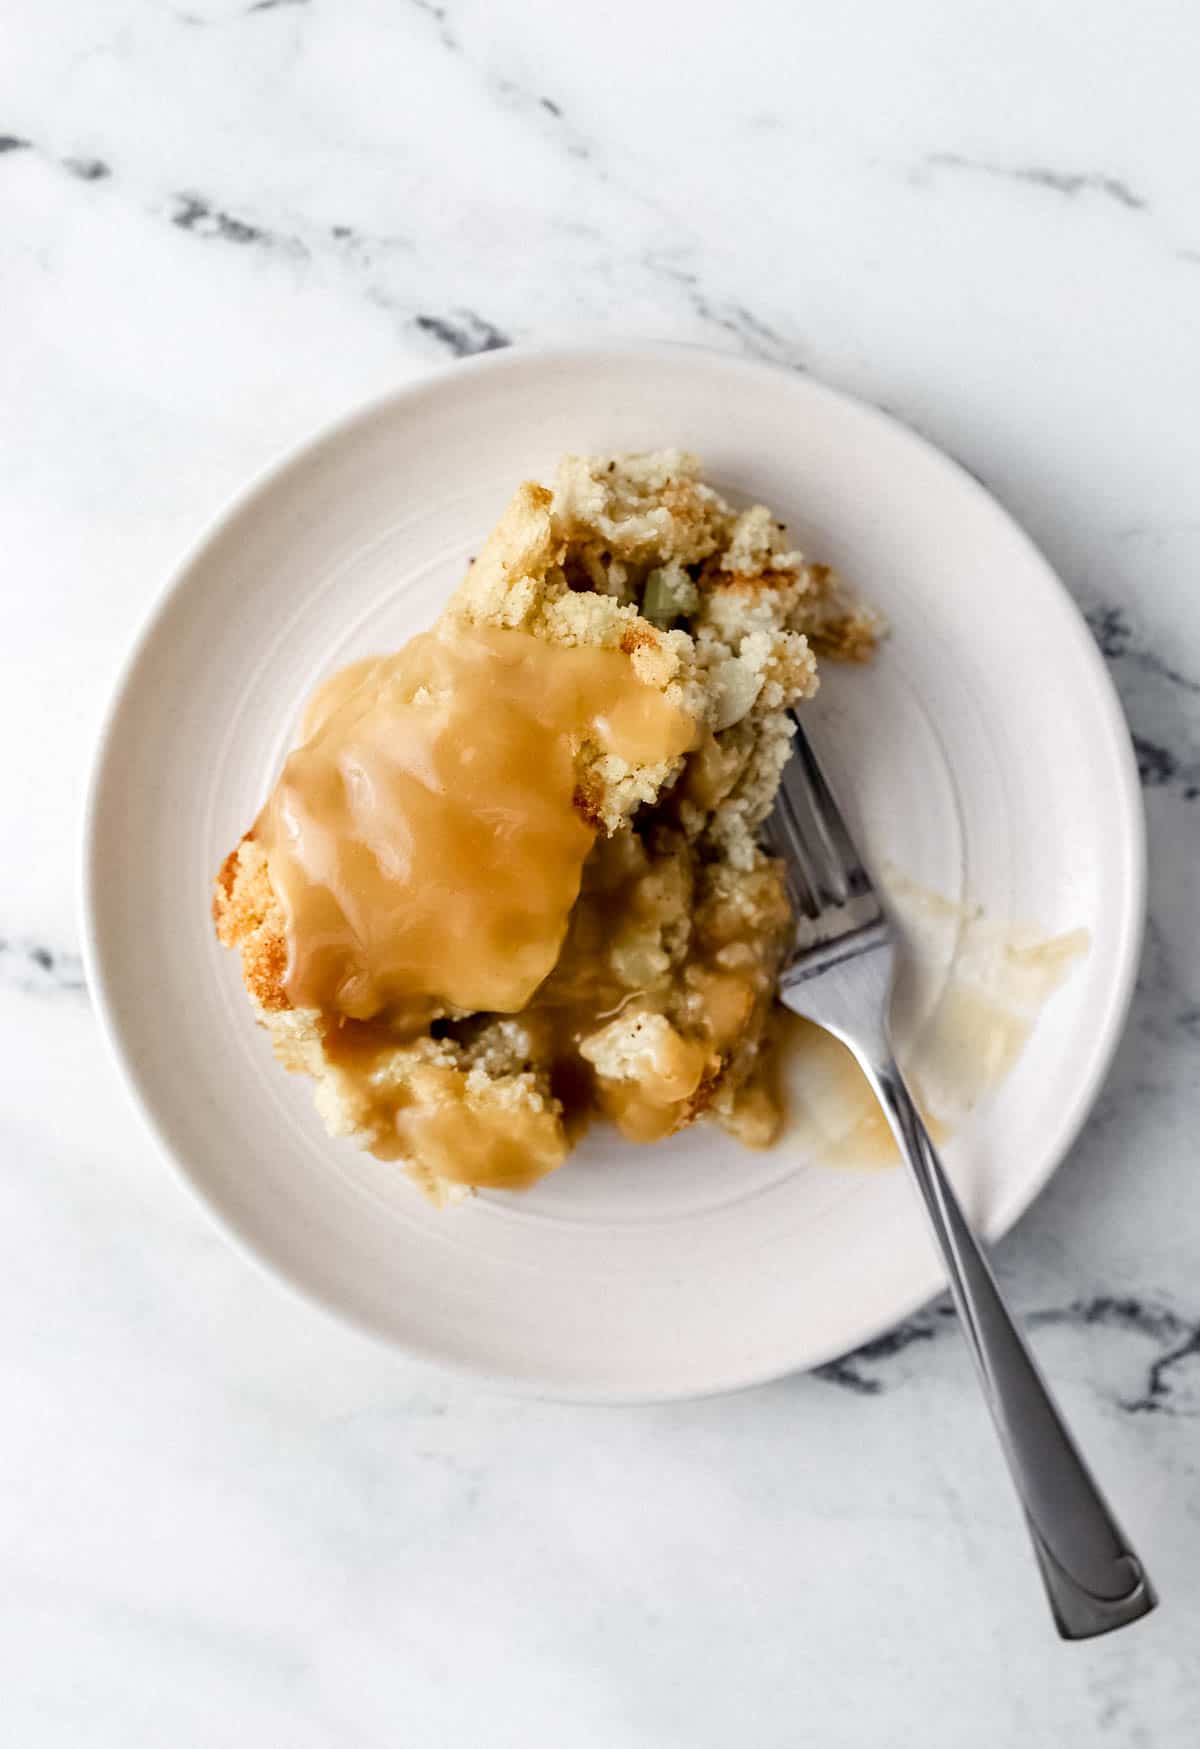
(825, 873)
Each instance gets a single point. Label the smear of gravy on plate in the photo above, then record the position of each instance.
(999, 979)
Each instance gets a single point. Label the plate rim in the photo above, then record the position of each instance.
(1127, 798)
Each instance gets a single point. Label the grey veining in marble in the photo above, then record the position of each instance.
(1068, 182)
(224, 1520)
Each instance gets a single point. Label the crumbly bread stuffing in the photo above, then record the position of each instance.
(665, 981)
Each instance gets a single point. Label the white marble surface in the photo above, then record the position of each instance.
(224, 1520)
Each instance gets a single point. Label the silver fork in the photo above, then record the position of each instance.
(840, 975)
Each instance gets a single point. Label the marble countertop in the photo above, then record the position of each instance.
(225, 1520)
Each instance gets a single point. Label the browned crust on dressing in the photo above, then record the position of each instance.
(849, 636)
(247, 914)
(852, 638)
(587, 800)
(747, 582)
(638, 637)
(223, 892)
(704, 1095)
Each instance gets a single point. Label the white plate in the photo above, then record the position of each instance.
(986, 755)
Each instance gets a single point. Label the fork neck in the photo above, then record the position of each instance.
(850, 997)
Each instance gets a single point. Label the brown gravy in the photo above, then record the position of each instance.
(424, 840)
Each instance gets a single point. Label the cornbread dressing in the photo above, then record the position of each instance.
(510, 879)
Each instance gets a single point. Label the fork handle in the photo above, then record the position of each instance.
(1093, 1579)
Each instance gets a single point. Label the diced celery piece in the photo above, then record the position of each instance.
(668, 594)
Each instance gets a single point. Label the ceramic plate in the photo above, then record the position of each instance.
(985, 756)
